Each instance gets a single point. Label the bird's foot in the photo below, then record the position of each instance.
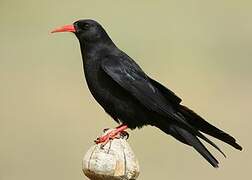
(112, 134)
(122, 133)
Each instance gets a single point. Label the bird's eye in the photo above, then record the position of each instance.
(85, 26)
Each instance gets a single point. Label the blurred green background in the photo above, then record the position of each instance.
(48, 119)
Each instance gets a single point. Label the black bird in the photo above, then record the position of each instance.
(134, 99)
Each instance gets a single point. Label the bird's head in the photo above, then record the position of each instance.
(86, 30)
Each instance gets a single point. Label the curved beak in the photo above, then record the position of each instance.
(66, 28)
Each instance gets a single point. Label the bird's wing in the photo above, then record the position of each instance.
(131, 78)
(125, 72)
(167, 93)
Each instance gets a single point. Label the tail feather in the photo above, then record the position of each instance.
(188, 138)
(211, 143)
(200, 124)
(187, 129)
(194, 131)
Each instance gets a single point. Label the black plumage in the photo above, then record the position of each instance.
(132, 98)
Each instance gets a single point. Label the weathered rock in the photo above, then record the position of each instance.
(114, 161)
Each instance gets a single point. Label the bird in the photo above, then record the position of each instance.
(134, 99)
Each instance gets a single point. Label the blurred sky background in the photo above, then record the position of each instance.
(48, 119)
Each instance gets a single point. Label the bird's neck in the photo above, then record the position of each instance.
(94, 49)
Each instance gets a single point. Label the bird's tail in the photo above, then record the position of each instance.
(190, 139)
(190, 136)
(200, 124)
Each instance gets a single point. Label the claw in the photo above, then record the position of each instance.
(105, 130)
(115, 133)
(124, 134)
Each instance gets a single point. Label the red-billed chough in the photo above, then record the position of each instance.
(132, 98)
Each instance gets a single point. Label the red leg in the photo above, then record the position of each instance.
(111, 135)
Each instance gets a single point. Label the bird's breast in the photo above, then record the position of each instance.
(105, 90)
(98, 82)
